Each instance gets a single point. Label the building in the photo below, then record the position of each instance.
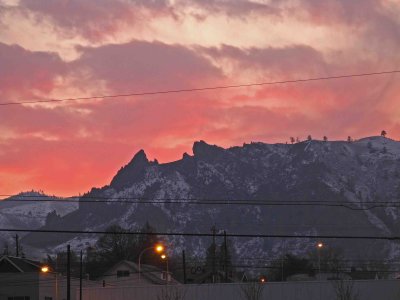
(24, 279)
(126, 273)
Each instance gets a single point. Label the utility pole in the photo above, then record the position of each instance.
(184, 266)
(80, 278)
(16, 246)
(68, 272)
(282, 259)
(226, 257)
(214, 246)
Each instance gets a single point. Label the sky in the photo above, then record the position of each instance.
(81, 48)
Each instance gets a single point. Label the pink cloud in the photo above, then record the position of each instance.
(148, 66)
(22, 72)
(63, 151)
(93, 20)
(277, 62)
(237, 8)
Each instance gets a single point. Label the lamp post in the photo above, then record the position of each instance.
(319, 247)
(157, 248)
(164, 256)
(46, 269)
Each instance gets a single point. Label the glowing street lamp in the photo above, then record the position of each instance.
(158, 248)
(319, 247)
(165, 257)
(45, 269)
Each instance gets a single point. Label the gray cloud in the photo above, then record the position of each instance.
(145, 65)
(288, 61)
(23, 71)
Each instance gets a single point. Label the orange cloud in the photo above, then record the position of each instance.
(69, 147)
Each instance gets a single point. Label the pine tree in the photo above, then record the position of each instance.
(225, 259)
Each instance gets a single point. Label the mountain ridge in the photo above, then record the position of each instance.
(352, 173)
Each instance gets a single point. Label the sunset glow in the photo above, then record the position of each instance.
(73, 49)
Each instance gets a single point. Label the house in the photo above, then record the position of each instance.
(25, 279)
(126, 273)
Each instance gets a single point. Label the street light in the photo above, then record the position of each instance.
(319, 247)
(165, 257)
(45, 269)
(157, 248)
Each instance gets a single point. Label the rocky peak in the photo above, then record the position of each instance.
(203, 150)
(133, 171)
(140, 158)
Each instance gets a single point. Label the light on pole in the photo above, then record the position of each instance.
(157, 248)
(165, 257)
(319, 247)
(45, 269)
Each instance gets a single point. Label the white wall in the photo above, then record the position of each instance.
(367, 290)
(39, 285)
(19, 284)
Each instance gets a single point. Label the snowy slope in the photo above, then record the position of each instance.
(355, 174)
(30, 210)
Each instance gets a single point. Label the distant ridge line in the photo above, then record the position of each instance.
(390, 238)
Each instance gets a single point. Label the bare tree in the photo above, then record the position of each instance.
(344, 290)
(171, 292)
(292, 140)
(252, 291)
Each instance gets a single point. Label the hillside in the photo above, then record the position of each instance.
(355, 174)
(30, 210)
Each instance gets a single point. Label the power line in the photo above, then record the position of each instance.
(364, 205)
(194, 234)
(109, 199)
(148, 93)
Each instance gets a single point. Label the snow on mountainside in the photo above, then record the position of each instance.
(355, 174)
(31, 210)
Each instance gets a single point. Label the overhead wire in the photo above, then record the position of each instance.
(363, 205)
(202, 234)
(199, 89)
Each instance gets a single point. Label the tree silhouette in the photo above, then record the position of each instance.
(292, 139)
(325, 138)
(114, 246)
(383, 133)
(289, 265)
(309, 138)
(349, 139)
